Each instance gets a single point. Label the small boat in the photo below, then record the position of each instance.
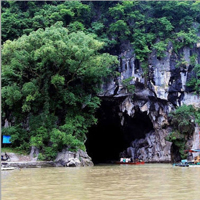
(193, 163)
(193, 150)
(187, 164)
(7, 168)
(131, 163)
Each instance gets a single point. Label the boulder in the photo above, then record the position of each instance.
(73, 159)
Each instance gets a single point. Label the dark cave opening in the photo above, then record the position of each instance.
(107, 139)
(175, 154)
(136, 127)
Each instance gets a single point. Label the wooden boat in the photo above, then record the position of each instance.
(130, 163)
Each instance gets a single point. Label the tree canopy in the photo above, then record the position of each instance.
(50, 79)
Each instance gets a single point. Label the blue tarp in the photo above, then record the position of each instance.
(6, 139)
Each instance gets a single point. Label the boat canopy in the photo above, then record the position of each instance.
(193, 150)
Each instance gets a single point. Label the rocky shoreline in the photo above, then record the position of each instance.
(64, 159)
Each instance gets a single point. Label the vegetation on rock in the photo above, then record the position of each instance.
(194, 82)
(183, 121)
(56, 53)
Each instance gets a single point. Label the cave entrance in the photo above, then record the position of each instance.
(107, 139)
(136, 127)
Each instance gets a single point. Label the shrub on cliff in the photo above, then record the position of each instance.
(194, 82)
(183, 121)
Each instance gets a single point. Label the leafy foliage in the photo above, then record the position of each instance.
(51, 77)
(130, 87)
(143, 23)
(179, 141)
(194, 82)
(183, 119)
(24, 17)
(160, 48)
(183, 122)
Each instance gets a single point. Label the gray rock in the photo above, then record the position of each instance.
(34, 153)
(73, 159)
(131, 152)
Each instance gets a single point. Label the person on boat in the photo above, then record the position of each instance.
(196, 159)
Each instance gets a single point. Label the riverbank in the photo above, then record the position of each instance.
(28, 164)
(24, 161)
(63, 159)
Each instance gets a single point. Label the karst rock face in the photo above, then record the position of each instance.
(156, 95)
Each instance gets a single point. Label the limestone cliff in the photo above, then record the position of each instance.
(163, 88)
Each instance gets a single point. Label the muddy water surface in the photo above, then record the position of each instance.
(103, 182)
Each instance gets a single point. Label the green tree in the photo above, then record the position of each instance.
(51, 78)
(142, 23)
(23, 17)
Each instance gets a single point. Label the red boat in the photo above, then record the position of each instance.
(131, 163)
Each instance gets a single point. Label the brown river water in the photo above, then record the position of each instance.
(102, 182)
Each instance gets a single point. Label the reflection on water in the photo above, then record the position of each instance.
(145, 182)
